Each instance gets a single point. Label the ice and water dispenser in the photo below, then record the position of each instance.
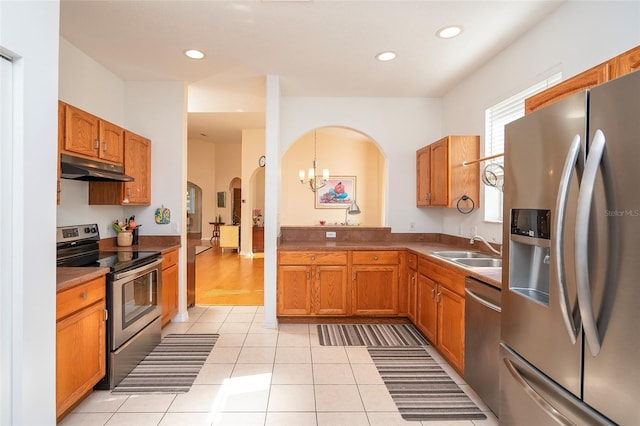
(529, 244)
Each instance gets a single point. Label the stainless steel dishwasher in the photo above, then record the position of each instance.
(482, 340)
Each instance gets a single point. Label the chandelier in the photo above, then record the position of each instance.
(312, 179)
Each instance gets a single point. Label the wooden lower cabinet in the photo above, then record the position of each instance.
(80, 342)
(313, 283)
(440, 310)
(375, 281)
(374, 290)
(451, 327)
(411, 279)
(427, 311)
(169, 286)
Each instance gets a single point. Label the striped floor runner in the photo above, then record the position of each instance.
(421, 389)
(370, 335)
(171, 367)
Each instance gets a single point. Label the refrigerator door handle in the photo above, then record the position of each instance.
(585, 198)
(536, 397)
(558, 232)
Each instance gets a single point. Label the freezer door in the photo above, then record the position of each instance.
(536, 148)
(528, 397)
(612, 375)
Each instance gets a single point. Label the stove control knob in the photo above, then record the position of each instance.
(87, 230)
(94, 230)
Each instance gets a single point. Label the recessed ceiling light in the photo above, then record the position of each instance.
(386, 56)
(449, 32)
(194, 54)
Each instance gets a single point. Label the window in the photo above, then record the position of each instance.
(496, 117)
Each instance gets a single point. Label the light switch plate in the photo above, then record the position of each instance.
(330, 234)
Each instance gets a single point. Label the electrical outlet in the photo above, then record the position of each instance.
(412, 226)
(330, 234)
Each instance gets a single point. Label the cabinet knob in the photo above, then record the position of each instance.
(84, 296)
(375, 257)
(313, 258)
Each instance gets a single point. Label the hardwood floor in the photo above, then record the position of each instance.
(228, 278)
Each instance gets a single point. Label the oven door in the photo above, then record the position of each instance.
(136, 301)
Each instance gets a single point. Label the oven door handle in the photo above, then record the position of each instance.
(138, 271)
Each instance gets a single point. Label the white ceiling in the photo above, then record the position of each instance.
(318, 48)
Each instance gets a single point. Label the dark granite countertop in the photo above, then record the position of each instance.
(68, 277)
(491, 276)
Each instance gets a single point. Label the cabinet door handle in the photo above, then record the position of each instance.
(104, 146)
(354, 275)
(97, 145)
(106, 315)
(439, 296)
(317, 275)
(433, 294)
(308, 275)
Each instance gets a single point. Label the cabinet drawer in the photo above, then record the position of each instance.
(412, 261)
(79, 297)
(313, 258)
(445, 276)
(375, 258)
(169, 259)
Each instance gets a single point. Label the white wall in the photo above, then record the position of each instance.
(576, 37)
(151, 109)
(29, 33)
(399, 126)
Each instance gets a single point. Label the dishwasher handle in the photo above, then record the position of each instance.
(475, 296)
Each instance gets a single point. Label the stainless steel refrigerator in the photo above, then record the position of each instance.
(570, 335)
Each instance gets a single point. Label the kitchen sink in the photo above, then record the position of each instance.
(480, 262)
(460, 254)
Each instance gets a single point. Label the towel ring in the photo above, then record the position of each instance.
(465, 210)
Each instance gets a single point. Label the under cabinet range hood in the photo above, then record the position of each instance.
(77, 168)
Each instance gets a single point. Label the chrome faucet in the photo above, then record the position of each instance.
(479, 238)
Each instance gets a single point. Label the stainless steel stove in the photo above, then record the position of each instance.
(134, 288)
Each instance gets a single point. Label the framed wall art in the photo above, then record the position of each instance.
(221, 199)
(337, 193)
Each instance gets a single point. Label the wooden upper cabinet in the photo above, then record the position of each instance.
(80, 132)
(585, 80)
(89, 136)
(423, 176)
(137, 164)
(620, 65)
(440, 173)
(111, 142)
(441, 178)
(625, 63)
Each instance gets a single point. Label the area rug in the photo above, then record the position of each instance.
(171, 367)
(370, 335)
(200, 249)
(421, 389)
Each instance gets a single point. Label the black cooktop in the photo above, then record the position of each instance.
(121, 260)
(78, 245)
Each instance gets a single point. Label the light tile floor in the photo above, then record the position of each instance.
(259, 376)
